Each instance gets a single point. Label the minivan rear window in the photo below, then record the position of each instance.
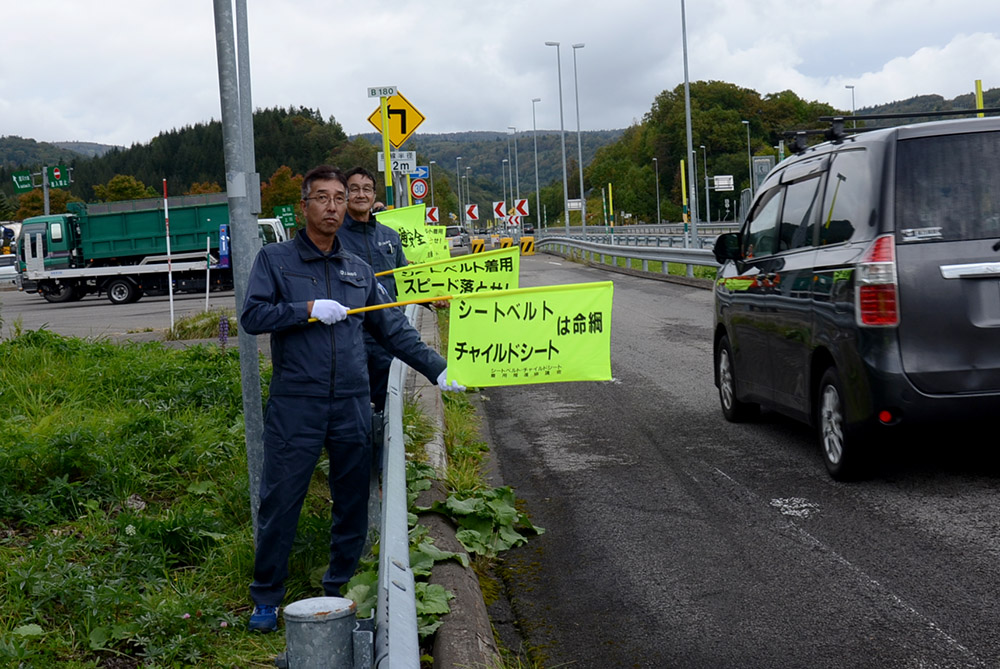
(947, 188)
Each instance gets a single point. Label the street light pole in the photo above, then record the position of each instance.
(516, 186)
(708, 206)
(749, 158)
(656, 167)
(853, 113)
(503, 180)
(562, 134)
(534, 135)
(579, 142)
(430, 169)
(458, 188)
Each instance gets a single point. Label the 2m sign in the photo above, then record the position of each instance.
(404, 162)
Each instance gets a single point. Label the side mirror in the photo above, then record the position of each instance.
(727, 247)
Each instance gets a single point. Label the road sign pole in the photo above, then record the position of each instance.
(45, 188)
(383, 102)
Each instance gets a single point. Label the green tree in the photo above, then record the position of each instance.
(123, 187)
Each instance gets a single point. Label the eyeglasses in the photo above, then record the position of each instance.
(323, 199)
(367, 190)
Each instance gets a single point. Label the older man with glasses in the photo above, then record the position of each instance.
(380, 247)
(319, 395)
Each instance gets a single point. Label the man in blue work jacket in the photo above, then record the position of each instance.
(380, 247)
(319, 395)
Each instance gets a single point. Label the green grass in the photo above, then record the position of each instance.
(124, 508)
(218, 324)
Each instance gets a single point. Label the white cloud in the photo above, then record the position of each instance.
(127, 70)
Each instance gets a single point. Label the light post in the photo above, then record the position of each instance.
(430, 169)
(562, 134)
(516, 186)
(694, 188)
(468, 185)
(534, 135)
(458, 187)
(656, 167)
(579, 142)
(503, 180)
(853, 113)
(749, 159)
(708, 206)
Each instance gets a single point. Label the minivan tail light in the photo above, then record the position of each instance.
(876, 289)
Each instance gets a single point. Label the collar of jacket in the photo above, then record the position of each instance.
(308, 251)
(352, 223)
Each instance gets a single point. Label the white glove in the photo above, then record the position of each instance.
(448, 387)
(329, 311)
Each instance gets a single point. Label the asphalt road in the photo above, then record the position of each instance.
(675, 539)
(96, 317)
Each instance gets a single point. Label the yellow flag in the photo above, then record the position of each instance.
(438, 242)
(495, 270)
(531, 335)
(409, 223)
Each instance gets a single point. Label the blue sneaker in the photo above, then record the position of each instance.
(264, 619)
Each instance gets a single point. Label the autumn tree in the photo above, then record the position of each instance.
(200, 187)
(32, 203)
(123, 187)
(282, 188)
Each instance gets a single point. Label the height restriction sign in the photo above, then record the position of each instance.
(404, 119)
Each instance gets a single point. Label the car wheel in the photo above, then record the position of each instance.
(121, 291)
(733, 409)
(839, 442)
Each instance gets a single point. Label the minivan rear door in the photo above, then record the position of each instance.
(947, 215)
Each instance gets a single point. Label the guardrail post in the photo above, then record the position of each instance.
(319, 633)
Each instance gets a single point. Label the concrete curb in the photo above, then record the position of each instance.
(465, 638)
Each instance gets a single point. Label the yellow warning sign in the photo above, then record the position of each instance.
(506, 242)
(527, 246)
(478, 245)
(404, 119)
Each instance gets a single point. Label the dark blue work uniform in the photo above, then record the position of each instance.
(318, 399)
(380, 246)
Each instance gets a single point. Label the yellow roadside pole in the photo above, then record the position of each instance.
(384, 104)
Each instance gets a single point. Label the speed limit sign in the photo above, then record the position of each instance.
(418, 188)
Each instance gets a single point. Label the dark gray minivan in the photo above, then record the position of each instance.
(863, 290)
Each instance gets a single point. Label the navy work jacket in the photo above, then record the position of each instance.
(316, 359)
(377, 244)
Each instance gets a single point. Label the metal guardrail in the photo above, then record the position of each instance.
(397, 641)
(690, 257)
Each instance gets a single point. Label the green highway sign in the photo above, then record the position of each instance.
(22, 181)
(286, 212)
(58, 176)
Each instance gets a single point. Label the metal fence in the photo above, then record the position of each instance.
(628, 247)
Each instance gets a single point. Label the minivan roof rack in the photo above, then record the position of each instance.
(838, 129)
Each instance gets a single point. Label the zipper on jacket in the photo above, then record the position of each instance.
(333, 338)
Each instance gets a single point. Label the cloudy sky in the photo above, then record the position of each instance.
(120, 71)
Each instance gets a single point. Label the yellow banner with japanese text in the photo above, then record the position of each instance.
(496, 270)
(546, 334)
(409, 223)
(438, 242)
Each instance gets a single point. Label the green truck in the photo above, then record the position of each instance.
(120, 248)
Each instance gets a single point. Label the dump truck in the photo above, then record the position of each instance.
(120, 248)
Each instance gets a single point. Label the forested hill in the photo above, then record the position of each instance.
(299, 138)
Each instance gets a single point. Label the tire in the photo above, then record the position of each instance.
(62, 293)
(733, 409)
(122, 291)
(841, 445)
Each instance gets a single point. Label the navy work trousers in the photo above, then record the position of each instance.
(296, 430)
